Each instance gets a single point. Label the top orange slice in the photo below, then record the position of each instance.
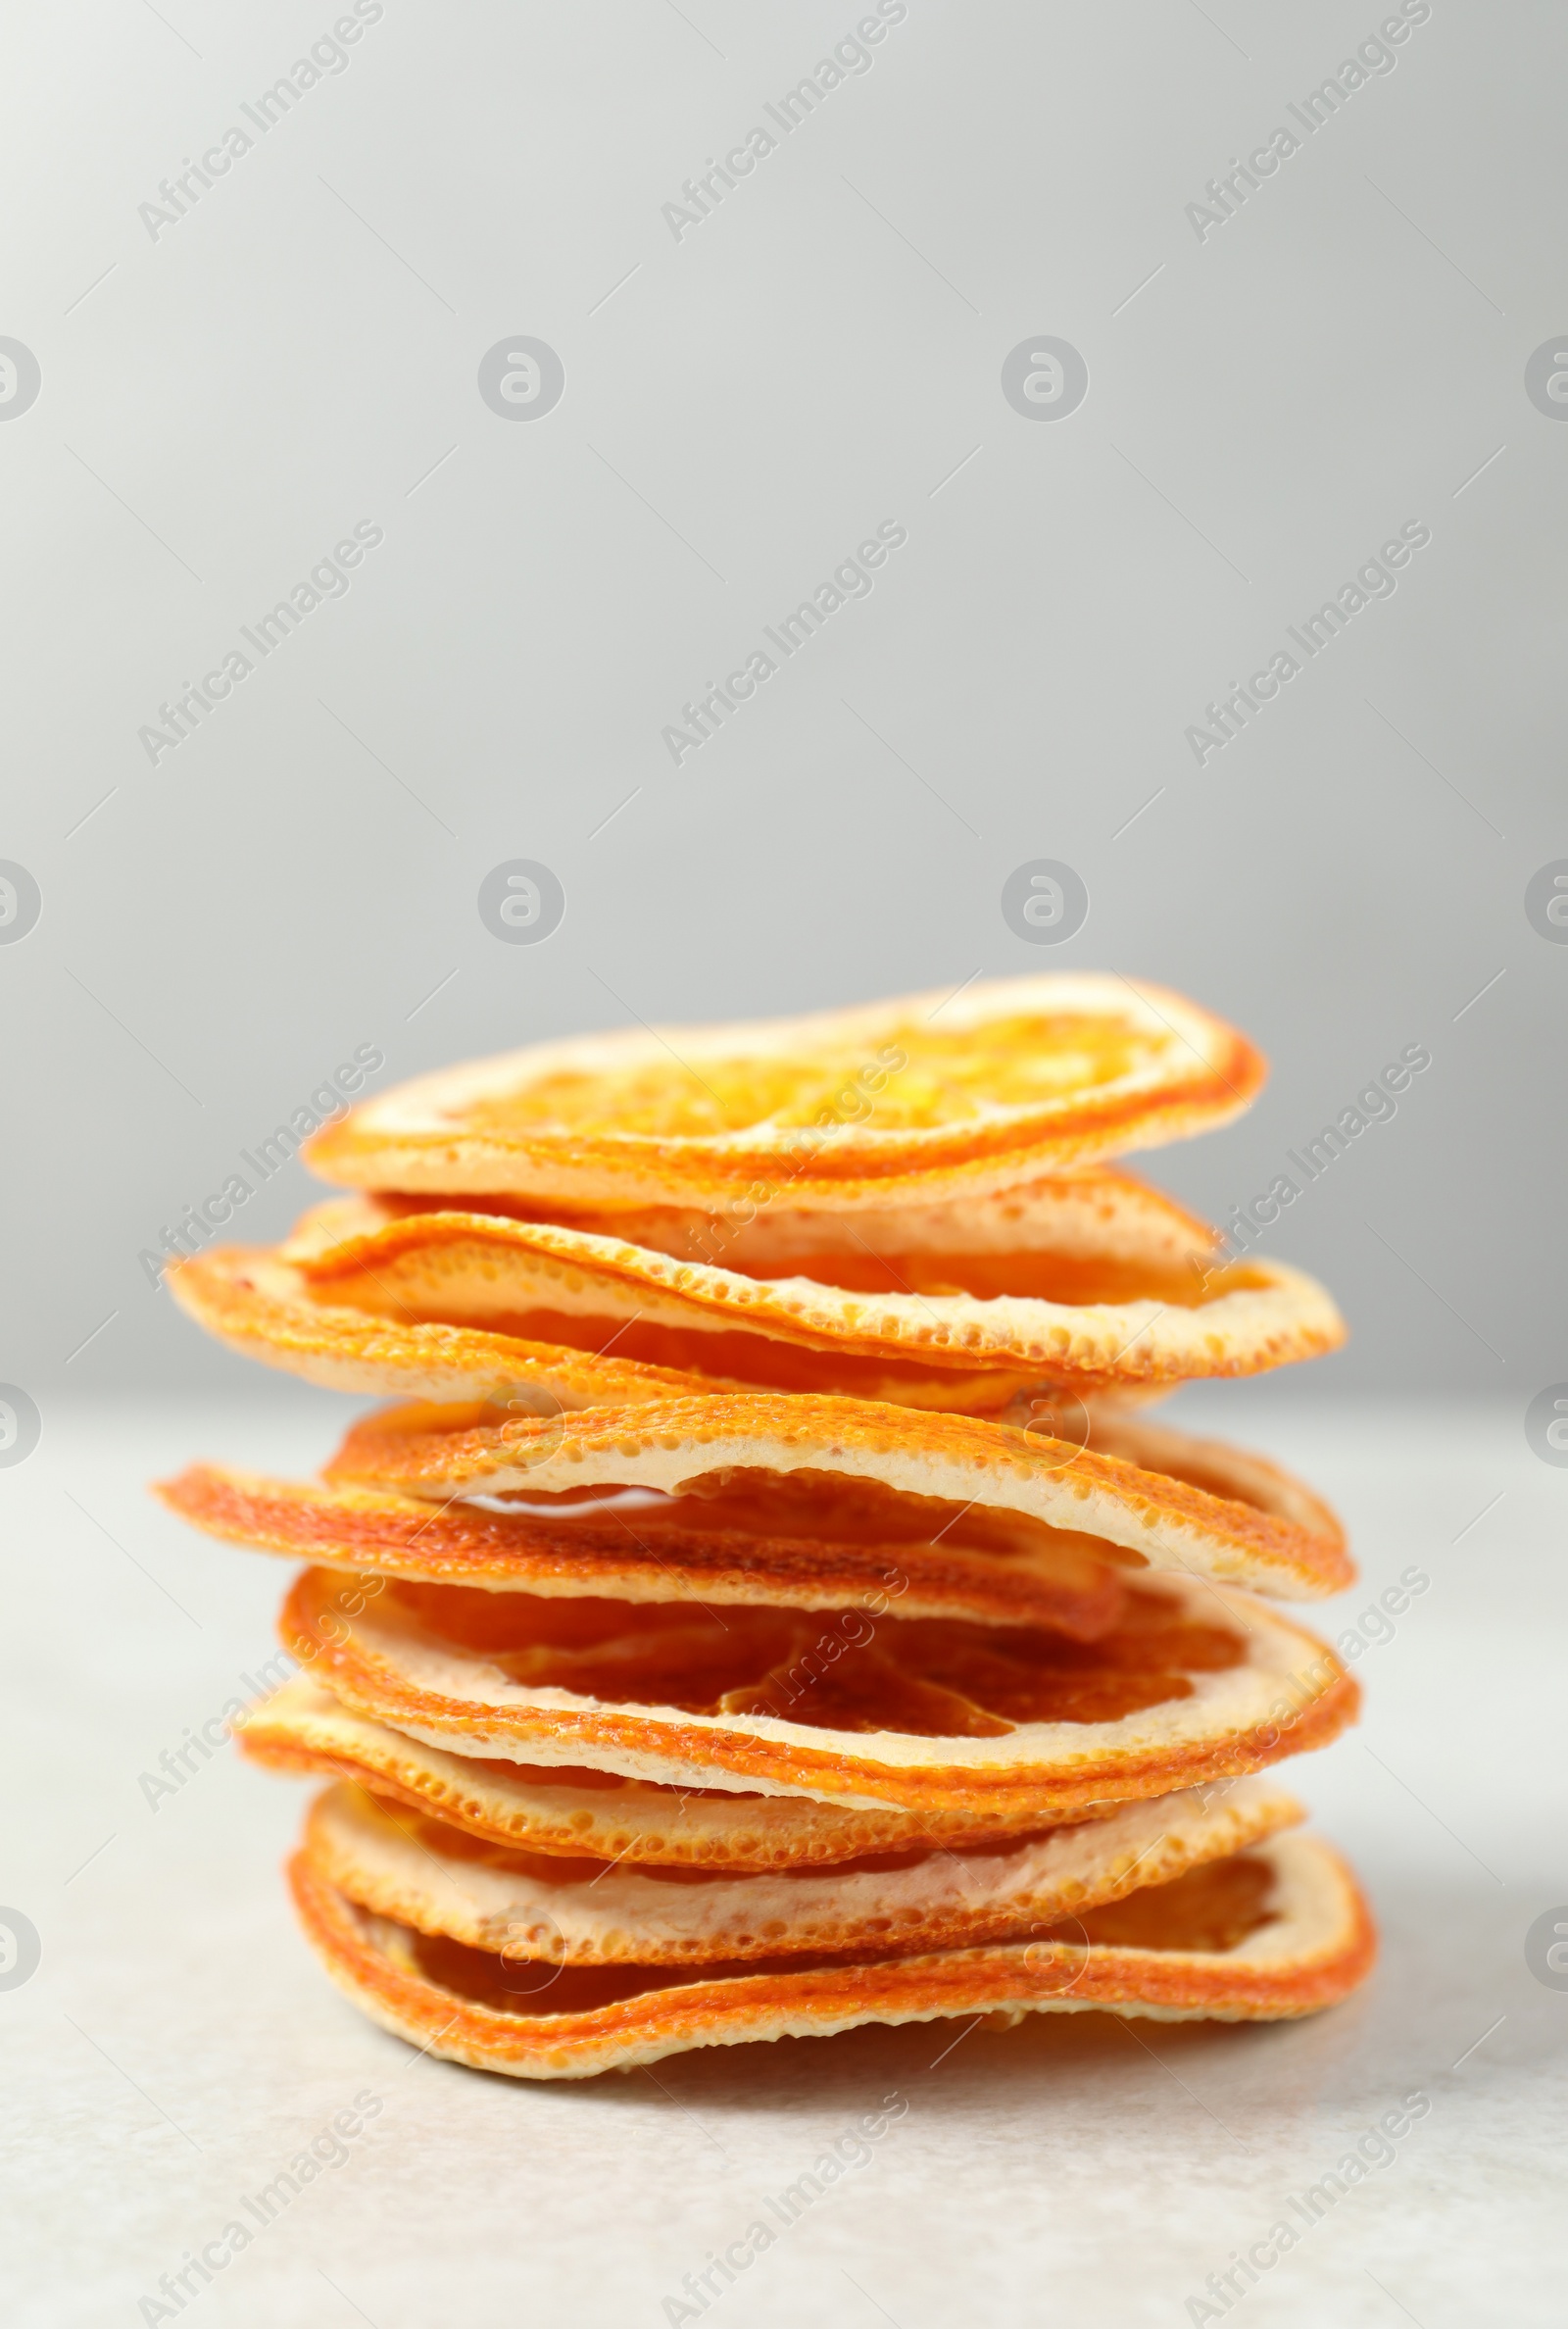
(921, 1097)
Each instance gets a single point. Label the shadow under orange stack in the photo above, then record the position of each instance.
(767, 1610)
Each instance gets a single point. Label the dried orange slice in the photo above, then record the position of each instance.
(263, 1308)
(562, 1809)
(1092, 1233)
(1236, 1474)
(752, 1459)
(1278, 1931)
(257, 1305)
(1011, 1286)
(585, 1911)
(904, 1101)
(1193, 1684)
(834, 1549)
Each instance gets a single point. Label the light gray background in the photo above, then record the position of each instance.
(301, 353)
(1275, 403)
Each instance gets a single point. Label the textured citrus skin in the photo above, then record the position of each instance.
(1236, 1474)
(263, 1308)
(873, 1105)
(559, 1282)
(303, 1730)
(255, 1304)
(1286, 1692)
(1094, 1221)
(597, 1912)
(1318, 1946)
(678, 1443)
(652, 1558)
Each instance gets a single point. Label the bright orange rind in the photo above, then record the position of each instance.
(922, 1097)
(585, 1911)
(1192, 1685)
(1273, 1933)
(985, 1311)
(721, 1443)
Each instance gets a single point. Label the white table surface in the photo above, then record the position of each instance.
(179, 2045)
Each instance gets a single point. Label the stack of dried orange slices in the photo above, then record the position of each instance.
(766, 1611)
